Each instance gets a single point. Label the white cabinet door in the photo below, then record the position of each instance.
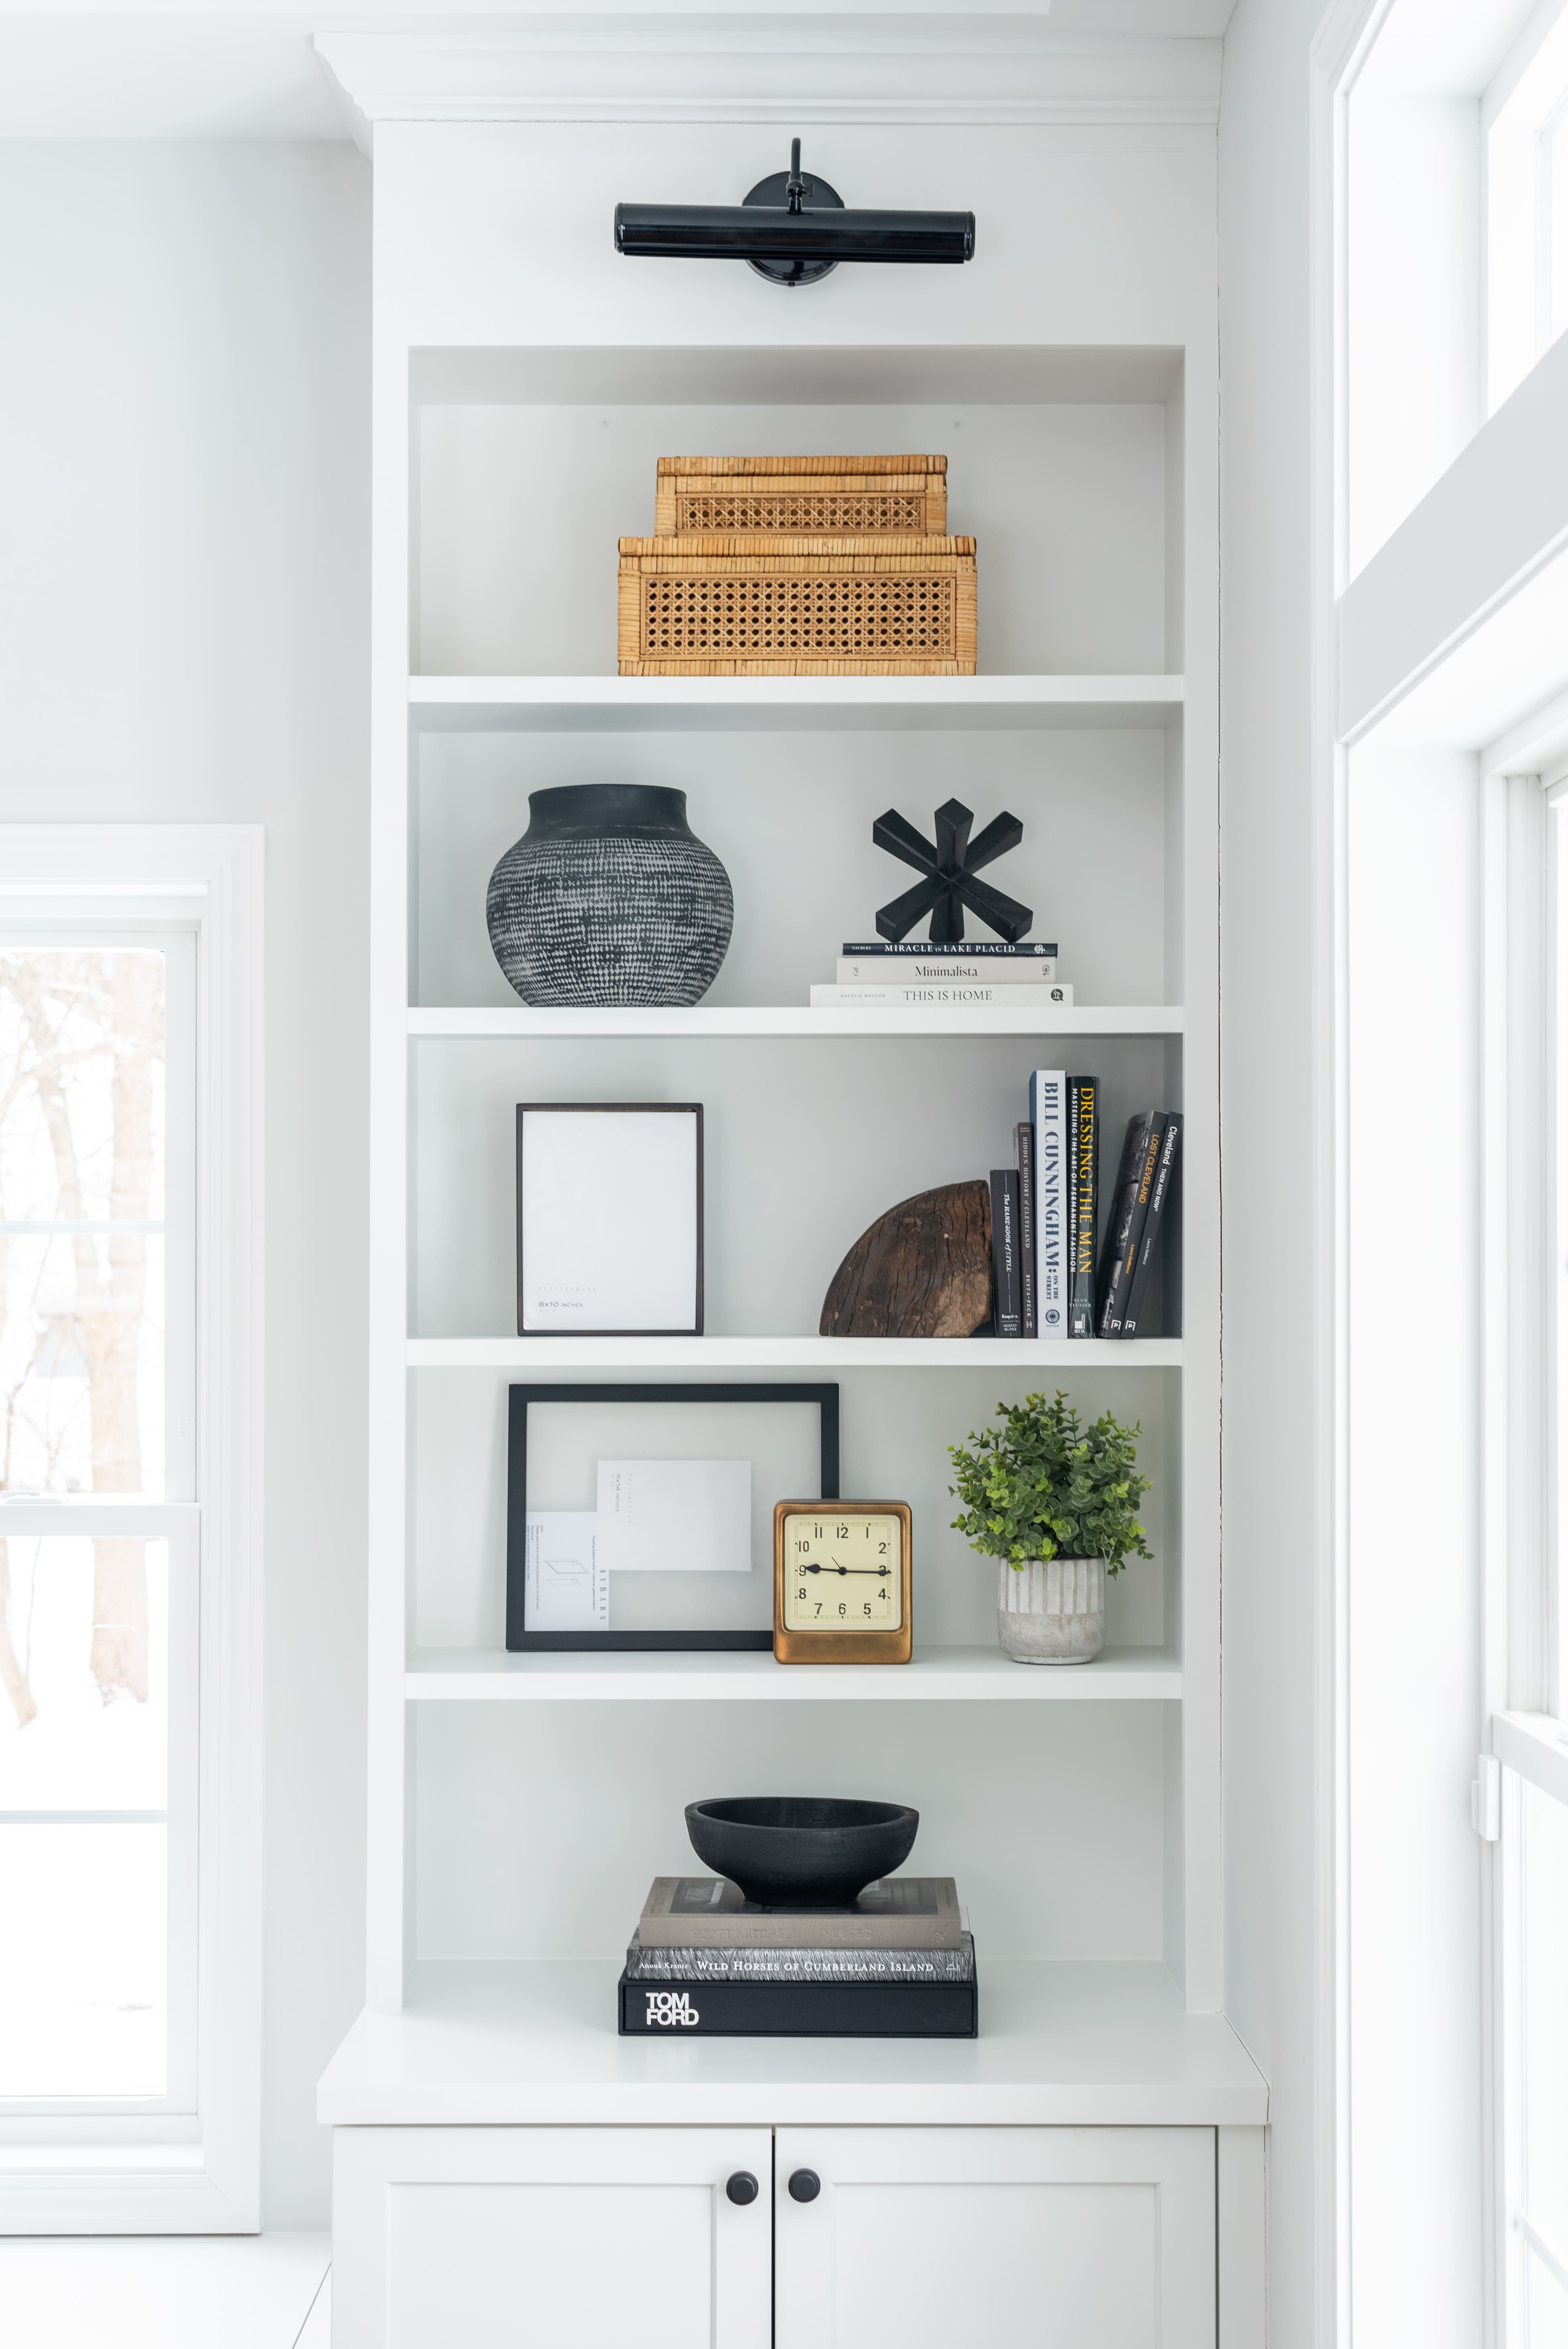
(1015, 2237)
(550, 2238)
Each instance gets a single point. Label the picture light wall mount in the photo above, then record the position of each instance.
(792, 230)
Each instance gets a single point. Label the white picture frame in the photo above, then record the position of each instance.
(609, 1219)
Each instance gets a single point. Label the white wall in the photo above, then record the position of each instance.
(1266, 1034)
(184, 405)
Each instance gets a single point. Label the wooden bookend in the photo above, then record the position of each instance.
(922, 1270)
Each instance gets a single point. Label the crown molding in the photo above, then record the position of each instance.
(942, 71)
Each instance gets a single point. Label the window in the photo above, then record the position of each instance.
(1442, 216)
(97, 1626)
(127, 1322)
(1524, 115)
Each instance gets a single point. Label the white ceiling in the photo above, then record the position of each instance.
(245, 69)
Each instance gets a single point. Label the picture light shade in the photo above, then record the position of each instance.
(792, 230)
(758, 233)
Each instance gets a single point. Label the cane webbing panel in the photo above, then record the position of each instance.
(826, 617)
(857, 513)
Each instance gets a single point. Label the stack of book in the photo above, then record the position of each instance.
(899, 1963)
(1052, 1280)
(921, 974)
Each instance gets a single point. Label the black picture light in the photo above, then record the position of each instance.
(792, 230)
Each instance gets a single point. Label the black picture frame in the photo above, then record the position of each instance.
(520, 1640)
(612, 1108)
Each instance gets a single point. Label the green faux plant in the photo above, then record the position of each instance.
(1043, 1485)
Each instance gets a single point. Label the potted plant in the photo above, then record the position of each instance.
(1056, 1503)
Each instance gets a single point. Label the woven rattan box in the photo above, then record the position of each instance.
(855, 497)
(744, 605)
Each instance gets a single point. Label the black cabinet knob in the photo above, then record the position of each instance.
(804, 2186)
(742, 2188)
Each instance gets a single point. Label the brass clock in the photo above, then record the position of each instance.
(842, 1582)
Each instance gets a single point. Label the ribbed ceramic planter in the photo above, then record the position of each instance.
(609, 898)
(1051, 1611)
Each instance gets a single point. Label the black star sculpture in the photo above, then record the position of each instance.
(949, 870)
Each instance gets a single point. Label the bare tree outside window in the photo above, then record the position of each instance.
(84, 1617)
(81, 1266)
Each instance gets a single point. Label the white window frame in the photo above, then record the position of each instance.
(1531, 1750)
(1386, 648)
(1525, 1279)
(156, 2169)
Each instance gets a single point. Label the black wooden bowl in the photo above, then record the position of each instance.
(795, 1851)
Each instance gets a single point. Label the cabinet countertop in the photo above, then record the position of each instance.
(1062, 2042)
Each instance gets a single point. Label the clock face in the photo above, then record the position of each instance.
(842, 1573)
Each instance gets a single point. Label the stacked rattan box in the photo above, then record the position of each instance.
(798, 566)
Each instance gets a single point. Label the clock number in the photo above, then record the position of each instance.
(881, 1549)
(818, 1606)
(842, 1609)
(867, 1607)
(801, 1592)
(842, 1533)
(880, 1594)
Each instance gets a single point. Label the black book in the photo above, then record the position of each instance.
(1140, 1154)
(1114, 1305)
(1083, 1201)
(1116, 1203)
(1153, 1225)
(1005, 1251)
(1028, 1299)
(797, 2009)
(968, 949)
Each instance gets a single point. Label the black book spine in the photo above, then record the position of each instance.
(1153, 1223)
(1083, 1186)
(1113, 1304)
(968, 950)
(1029, 1298)
(1005, 1251)
(1113, 1222)
(797, 2009)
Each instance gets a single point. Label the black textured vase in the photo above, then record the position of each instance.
(609, 898)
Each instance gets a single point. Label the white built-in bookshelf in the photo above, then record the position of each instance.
(524, 387)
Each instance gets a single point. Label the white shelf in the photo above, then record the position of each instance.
(489, 1675)
(1061, 2043)
(799, 1020)
(728, 704)
(699, 1355)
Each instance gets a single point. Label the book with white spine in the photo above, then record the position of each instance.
(878, 970)
(938, 995)
(1049, 1110)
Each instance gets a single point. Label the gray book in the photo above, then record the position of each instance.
(706, 1912)
(688, 1966)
